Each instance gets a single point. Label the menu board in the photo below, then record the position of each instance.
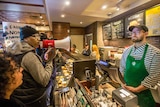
(118, 29)
(153, 21)
(107, 31)
(135, 19)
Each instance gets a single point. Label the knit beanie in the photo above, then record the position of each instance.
(27, 31)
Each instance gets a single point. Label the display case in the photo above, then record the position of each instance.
(87, 90)
(83, 92)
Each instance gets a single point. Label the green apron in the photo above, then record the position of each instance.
(135, 73)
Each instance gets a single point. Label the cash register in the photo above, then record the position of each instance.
(123, 97)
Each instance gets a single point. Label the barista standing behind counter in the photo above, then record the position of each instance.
(140, 65)
(95, 52)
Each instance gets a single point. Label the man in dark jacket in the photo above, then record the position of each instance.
(86, 51)
(36, 77)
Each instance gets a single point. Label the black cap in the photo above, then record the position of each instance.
(27, 31)
(140, 27)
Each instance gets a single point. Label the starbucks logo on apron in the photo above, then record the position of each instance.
(133, 63)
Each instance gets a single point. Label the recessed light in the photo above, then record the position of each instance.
(67, 3)
(18, 21)
(62, 15)
(104, 7)
(81, 22)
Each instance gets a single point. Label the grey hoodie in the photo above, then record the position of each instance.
(35, 77)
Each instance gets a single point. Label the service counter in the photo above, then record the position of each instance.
(91, 92)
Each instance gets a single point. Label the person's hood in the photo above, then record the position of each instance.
(19, 48)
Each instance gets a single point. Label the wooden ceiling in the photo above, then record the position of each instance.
(24, 17)
(23, 11)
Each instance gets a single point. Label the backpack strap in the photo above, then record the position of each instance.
(19, 57)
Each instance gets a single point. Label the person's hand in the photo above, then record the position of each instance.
(49, 54)
(46, 54)
(130, 88)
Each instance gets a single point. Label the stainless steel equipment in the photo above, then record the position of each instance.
(105, 52)
(125, 98)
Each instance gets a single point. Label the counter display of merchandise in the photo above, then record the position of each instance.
(90, 92)
(63, 78)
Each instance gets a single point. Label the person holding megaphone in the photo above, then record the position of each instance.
(32, 92)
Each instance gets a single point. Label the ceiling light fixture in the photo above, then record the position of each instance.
(104, 7)
(67, 3)
(119, 0)
(62, 15)
(81, 22)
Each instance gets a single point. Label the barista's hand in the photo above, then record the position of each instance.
(130, 88)
(135, 89)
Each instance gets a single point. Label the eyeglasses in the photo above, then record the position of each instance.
(135, 33)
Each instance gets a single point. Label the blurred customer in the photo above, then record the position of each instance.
(10, 78)
(59, 61)
(95, 52)
(74, 49)
(50, 35)
(36, 77)
(86, 51)
(140, 65)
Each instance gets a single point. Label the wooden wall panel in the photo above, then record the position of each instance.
(60, 30)
(77, 31)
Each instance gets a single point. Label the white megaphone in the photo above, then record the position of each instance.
(63, 43)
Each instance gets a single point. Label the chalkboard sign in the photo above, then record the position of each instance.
(107, 32)
(118, 29)
(153, 21)
(135, 19)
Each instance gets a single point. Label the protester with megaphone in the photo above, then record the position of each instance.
(36, 77)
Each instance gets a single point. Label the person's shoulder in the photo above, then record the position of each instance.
(29, 54)
(31, 57)
(126, 50)
(153, 49)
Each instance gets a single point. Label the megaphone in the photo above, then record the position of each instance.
(63, 43)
